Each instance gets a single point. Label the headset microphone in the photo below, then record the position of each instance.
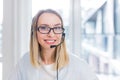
(63, 37)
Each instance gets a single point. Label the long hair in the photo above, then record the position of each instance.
(61, 57)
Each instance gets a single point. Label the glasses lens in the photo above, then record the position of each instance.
(46, 30)
(43, 29)
(58, 30)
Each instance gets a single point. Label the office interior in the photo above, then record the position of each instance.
(92, 30)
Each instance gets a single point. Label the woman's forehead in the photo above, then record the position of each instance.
(49, 15)
(49, 18)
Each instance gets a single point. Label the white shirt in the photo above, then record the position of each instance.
(77, 69)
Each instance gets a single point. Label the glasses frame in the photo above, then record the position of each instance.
(50, 30)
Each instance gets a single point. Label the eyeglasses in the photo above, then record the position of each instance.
(46, 29)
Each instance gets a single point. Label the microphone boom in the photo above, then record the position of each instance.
(63, 37)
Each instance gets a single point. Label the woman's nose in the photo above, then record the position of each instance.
(51, 33)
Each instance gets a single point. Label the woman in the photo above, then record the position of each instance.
(48, 59)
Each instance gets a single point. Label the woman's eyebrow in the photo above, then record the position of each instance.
(59, 24)
(44, 25)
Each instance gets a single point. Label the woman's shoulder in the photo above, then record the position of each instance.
(81, 67)
(25, 58)
(77, 62)
(24, 61)
(76, 59)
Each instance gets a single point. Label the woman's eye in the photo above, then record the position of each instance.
(44, 28)
(57, 28)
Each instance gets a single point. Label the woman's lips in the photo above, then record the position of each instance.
(50, 41)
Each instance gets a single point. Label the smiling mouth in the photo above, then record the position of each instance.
(50, 41)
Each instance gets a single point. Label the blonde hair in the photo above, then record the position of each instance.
(61, 57)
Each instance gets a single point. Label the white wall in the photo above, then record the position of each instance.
(16, 24)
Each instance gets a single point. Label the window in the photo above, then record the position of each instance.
(101, 38)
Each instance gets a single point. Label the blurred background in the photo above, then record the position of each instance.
(92, 30)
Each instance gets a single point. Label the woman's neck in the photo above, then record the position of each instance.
(48, 56)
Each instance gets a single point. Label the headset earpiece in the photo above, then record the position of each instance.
(32, 31)
(63, 35)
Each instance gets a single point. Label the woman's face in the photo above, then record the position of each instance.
(48, 20)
